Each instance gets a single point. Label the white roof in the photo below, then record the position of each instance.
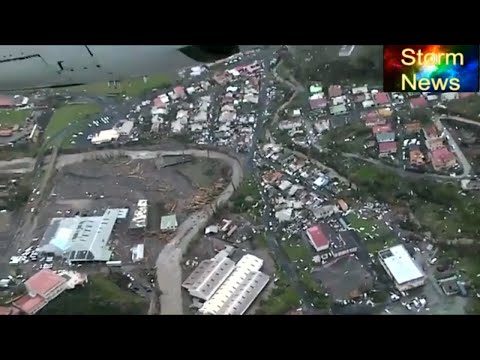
(400, 264)
(208, 276)
(105, 136)
(239, 290)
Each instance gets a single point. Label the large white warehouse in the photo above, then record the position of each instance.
(400, 266)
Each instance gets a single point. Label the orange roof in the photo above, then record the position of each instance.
(28, 303)
(44, 281)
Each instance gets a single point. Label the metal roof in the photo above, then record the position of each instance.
(168, 222)
(139, 219)
(81, 238)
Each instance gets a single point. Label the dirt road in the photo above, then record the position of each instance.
(168, 264)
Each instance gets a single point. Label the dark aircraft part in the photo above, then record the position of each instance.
(209, 53)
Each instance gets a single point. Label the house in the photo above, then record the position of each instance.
(339, 100)
(449, 96)
(334, 91)
(315, 89)
(401, 268)
(381, 129)
(338, 109)
(434, 144)
(381, 98)
(387, 148)
(7, 101)
(324, 212)
(360, 90)
(179, 91)
(418, 102)
(431, 132)
(373, 118)
(412, 127)
(368, 104)
(442, 159)
(416, 157)
(385, 112)
(359, 98)
(42, 287)
(385, 137)
(317, 103)
(318, 238)
(343, 244)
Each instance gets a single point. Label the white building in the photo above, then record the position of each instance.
(400, 266)
(126, 127)
(208, 276)
(105, 136)
(239, 290)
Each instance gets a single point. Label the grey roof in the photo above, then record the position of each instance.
(386, 137)
(345, 240)
(81, 238)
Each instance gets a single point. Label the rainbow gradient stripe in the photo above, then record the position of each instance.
(468, 74)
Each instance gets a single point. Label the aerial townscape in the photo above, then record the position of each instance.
(281, 180)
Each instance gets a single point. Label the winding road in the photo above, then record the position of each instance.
(168, 264)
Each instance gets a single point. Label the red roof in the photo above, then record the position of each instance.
(418, 102)
(334, 90)
(431, 131)
(318, 103)
(442, 156)
(158, 103)
(7, 310)
(6, 101)
(44, 281)
(317, 236)
(387, 147)
(463, 95)
(29, 303)
(381, 98)
(382, 128)
(179, 91)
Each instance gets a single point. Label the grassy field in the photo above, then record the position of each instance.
(13, 117)
(468, 107)
(132, 87)
(297, 251)
(282, 299)
(445, 224)
(101, 296)
(70, 116)
(375, 240)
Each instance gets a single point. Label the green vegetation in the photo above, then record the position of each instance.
(423, 115)
(101, 296)
(13, 117)
(300, 253)
(69, 117)
(468, 107)
(379, 297)
(322, 63)
(247, 198)
(282, 299)
(260, 240)
(19, 197)
(334, 139)
(376, 234)
(131, 87)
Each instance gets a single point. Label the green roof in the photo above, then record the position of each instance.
(168, 222)
(315, 89)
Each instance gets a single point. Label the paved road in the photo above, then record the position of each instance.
(168, 264)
